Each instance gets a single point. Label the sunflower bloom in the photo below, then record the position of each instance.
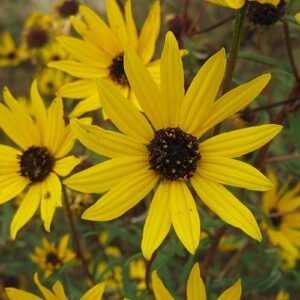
(163, 150)
(57, 292)
(51, 258)
(195, 288)
(236, 4)
(43, 141)
(282, 208)
(100, 54)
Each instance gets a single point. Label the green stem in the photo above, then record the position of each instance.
(75, 237)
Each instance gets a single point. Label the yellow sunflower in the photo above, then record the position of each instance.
(195, 288)
(162, 148)
(43, 141)
(297, 17)
(100, 53)
(57, 292)
(282, 208)
(236, 4)
(51, 258)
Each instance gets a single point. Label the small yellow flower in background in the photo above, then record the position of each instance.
(166, 152)
(282, 206)
(51, 258)
(67, 8)
(53, 52)
(100, 53)
(57, 292)
(10, 55)
(195, 288)
(288, 260)
(236, 4)
(283, 295)
(297, 17)
(43, 141)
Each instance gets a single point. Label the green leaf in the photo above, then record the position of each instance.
(295, 125)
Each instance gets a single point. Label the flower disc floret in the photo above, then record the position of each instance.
(275, 217)
(37, 37)
(173, 154)
(36, 163)
(53, 259)
(117, 72)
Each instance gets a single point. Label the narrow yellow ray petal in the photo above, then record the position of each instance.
(105, 142)
(226, 205)
(116, 21)
(239, 142)
(125, 195)
(77, 89)
(106, 175)
(26, 209)
(65, 165)
(289, 200)
(158, 221)
(102, 35)
(195, 285)
(232, 293)
(91, 103)
(232, 102)
(59, 291)
(233, 172)
(67, 145)
(130, 26)
(48, 294)
(85, 52)
(235, 4)
(292, 220)
(11, 185)
(290, 205)
(149, 34)
(96, 292)
(145, 89)
(9, 162)
(51, 196)
(172, 80)
(184, 215)
(202, 92)
(16, 294)
(123, 113)
(63, 244)
(78, 69)
(160, 291)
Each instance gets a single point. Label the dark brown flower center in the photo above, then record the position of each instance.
(37, 37)
(36, 163)
(11, 55)
(173, 154)
(117, 72)
(53, 259)
(68, 8)
(275, 217)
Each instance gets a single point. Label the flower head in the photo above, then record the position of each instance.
(39, 158)
(51, 258)
(101, 52)
(57, 292)
(163, 149)
(236, 4)
(195, 288)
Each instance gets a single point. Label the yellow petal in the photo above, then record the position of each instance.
(51, 192)
(9, 162)
(232, 102)
(106, 175)
(172, 80)
(16, 294)
(130, 25)
(160, 291)
(145, 89)
(202, 92)
(158, 221)
(65, 165)
(94, 293)
(195, 285)
(235, 4)
(125, 195)
(108, 143)
(149, 34)
(58, 289)
(290, 200)
(77, 89)
(184, 215)
(239, 142)
(232, 172)
(26, 209)
(232, 293)
(123, 113)
(63, 245)
(49, 295)
(78, 69)
(85, 52)
(226, 205)
(68, 142)
(116, 21)
(91, 103)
